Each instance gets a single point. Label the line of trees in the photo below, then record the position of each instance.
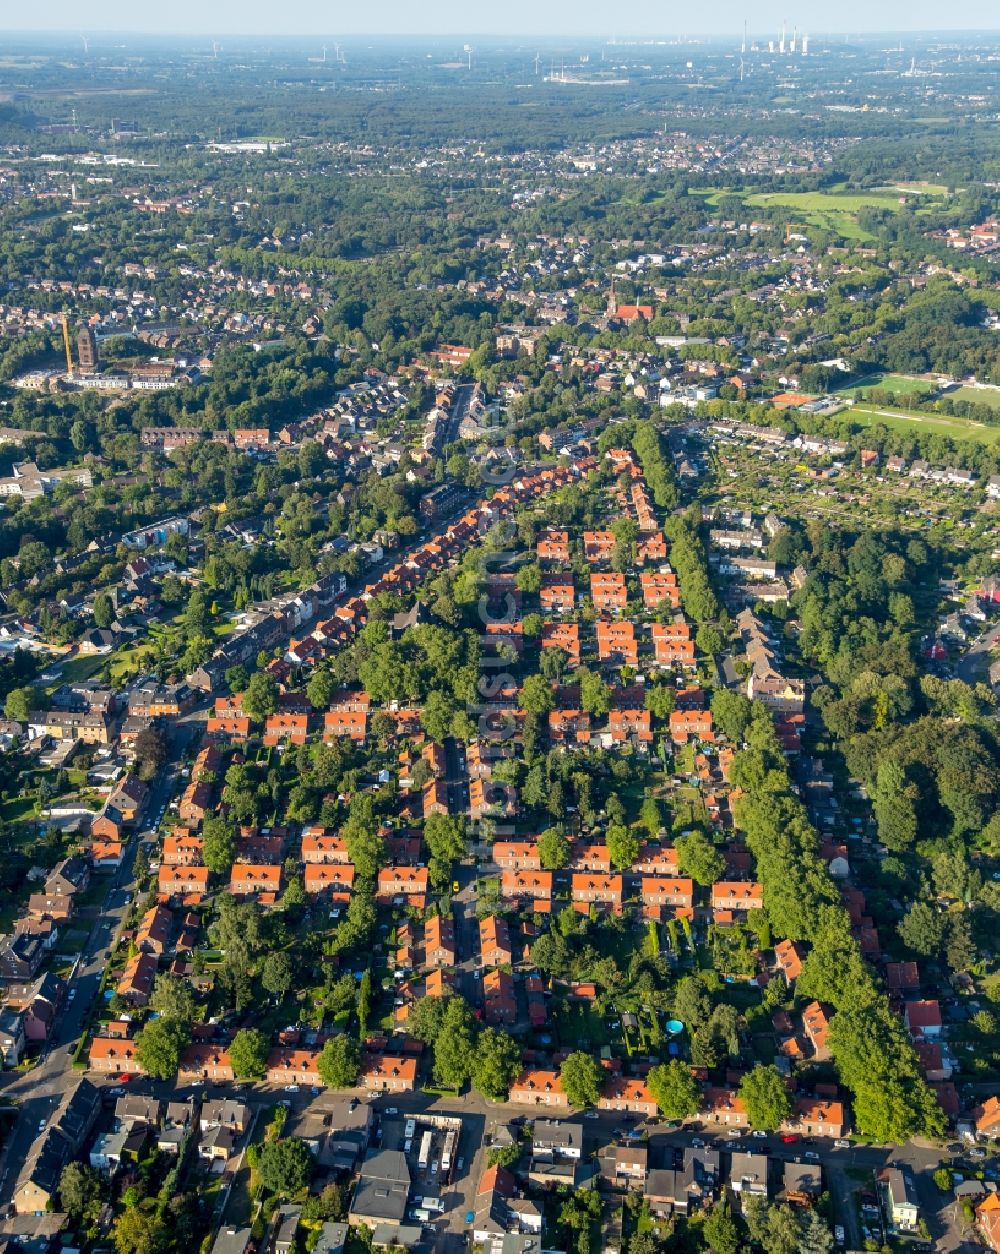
(874, 1058)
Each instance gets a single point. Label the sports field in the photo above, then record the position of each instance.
(978, 396)
(898, 384)
(938, 424)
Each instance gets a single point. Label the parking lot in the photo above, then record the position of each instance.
(436, 1148)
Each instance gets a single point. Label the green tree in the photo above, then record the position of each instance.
(731, 713)
(651, 817)
(364, 1003)
(720, 1230)
(20, 702)
(496, 1064)
(79, 1188)
(218, 844)
(553, 849)
(197, 619)
(437, 715)
(529, 578)
(172, 998)
(660, 700)
(329, 1204)
(138, 1230)
(444, 835)
(160, 1045)
(698, 858)
(692, 1003)
(580, 1075)
(284, 1165)
(894, 801)
(874, 1058)
(595, 695)
(674, 1089)
(104, 610)
(783, 1234)
(960, 949)
(276, 974)
(339, 1062)
(922, 929)
(320, 689)
(453, 1046)
(623, 845)
(237, 677)
(427, 1019)
(709, 639)
(537, 696)
(816, 1236)
(755, 1214)
(943, 1179)
(503, 1155)
(260, 700)
(765, 1097)
(151, 752)
(248, 1054)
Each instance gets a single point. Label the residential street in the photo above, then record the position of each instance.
(38, 1092)
(973, 663)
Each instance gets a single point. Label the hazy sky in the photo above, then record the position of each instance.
(508, 17)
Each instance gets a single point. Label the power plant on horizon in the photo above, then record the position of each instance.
(797, 43)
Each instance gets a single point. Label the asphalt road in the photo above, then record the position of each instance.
(38, 1092)
(972, 664)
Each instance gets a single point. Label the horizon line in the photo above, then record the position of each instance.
(74, 32)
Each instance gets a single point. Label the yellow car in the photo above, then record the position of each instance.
(455, 886)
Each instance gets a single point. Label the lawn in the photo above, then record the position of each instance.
(978, 396)
(127, 662)
(914, 189)
(900, 420)
(829, 211)
(580, 1026)
(895, 383)
(826, 202)
(82, 666)
(18, 809)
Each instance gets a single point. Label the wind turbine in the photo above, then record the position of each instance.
(215, 50)
(86, 45)
(537, 59)
(468, 50)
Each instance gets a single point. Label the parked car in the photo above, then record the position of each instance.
(812, 1156)
(842, 1143)
(758, 1133)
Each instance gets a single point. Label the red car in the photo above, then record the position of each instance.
(789, 1139)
